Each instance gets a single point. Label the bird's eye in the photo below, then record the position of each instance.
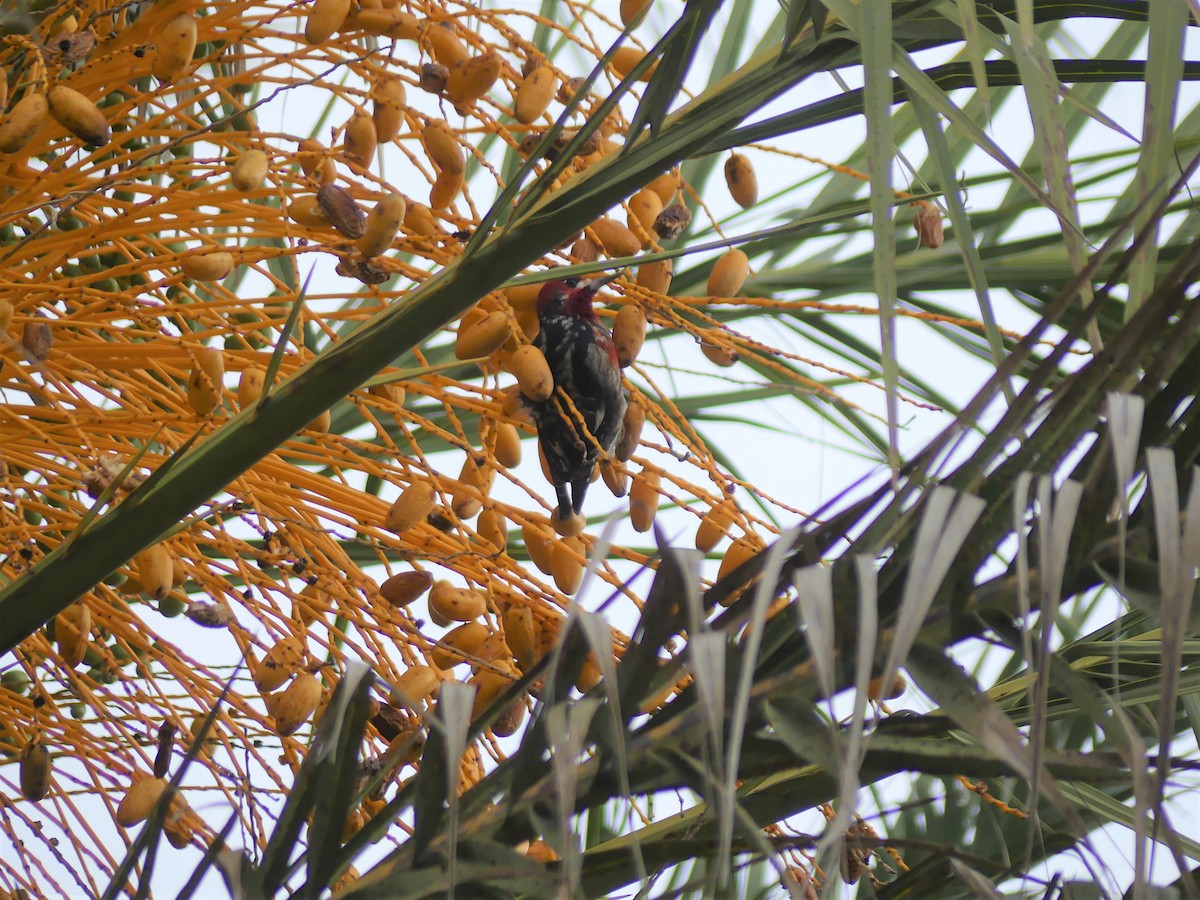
(572, 282)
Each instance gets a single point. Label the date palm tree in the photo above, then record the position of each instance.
(282, 581)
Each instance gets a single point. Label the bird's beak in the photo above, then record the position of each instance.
(595, 284)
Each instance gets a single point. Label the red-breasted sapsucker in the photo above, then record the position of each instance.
(584, 363)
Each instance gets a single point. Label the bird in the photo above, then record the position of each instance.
(583, 360)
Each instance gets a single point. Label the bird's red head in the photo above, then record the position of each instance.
(570, 297)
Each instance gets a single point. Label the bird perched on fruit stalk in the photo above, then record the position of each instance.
(583, 360)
